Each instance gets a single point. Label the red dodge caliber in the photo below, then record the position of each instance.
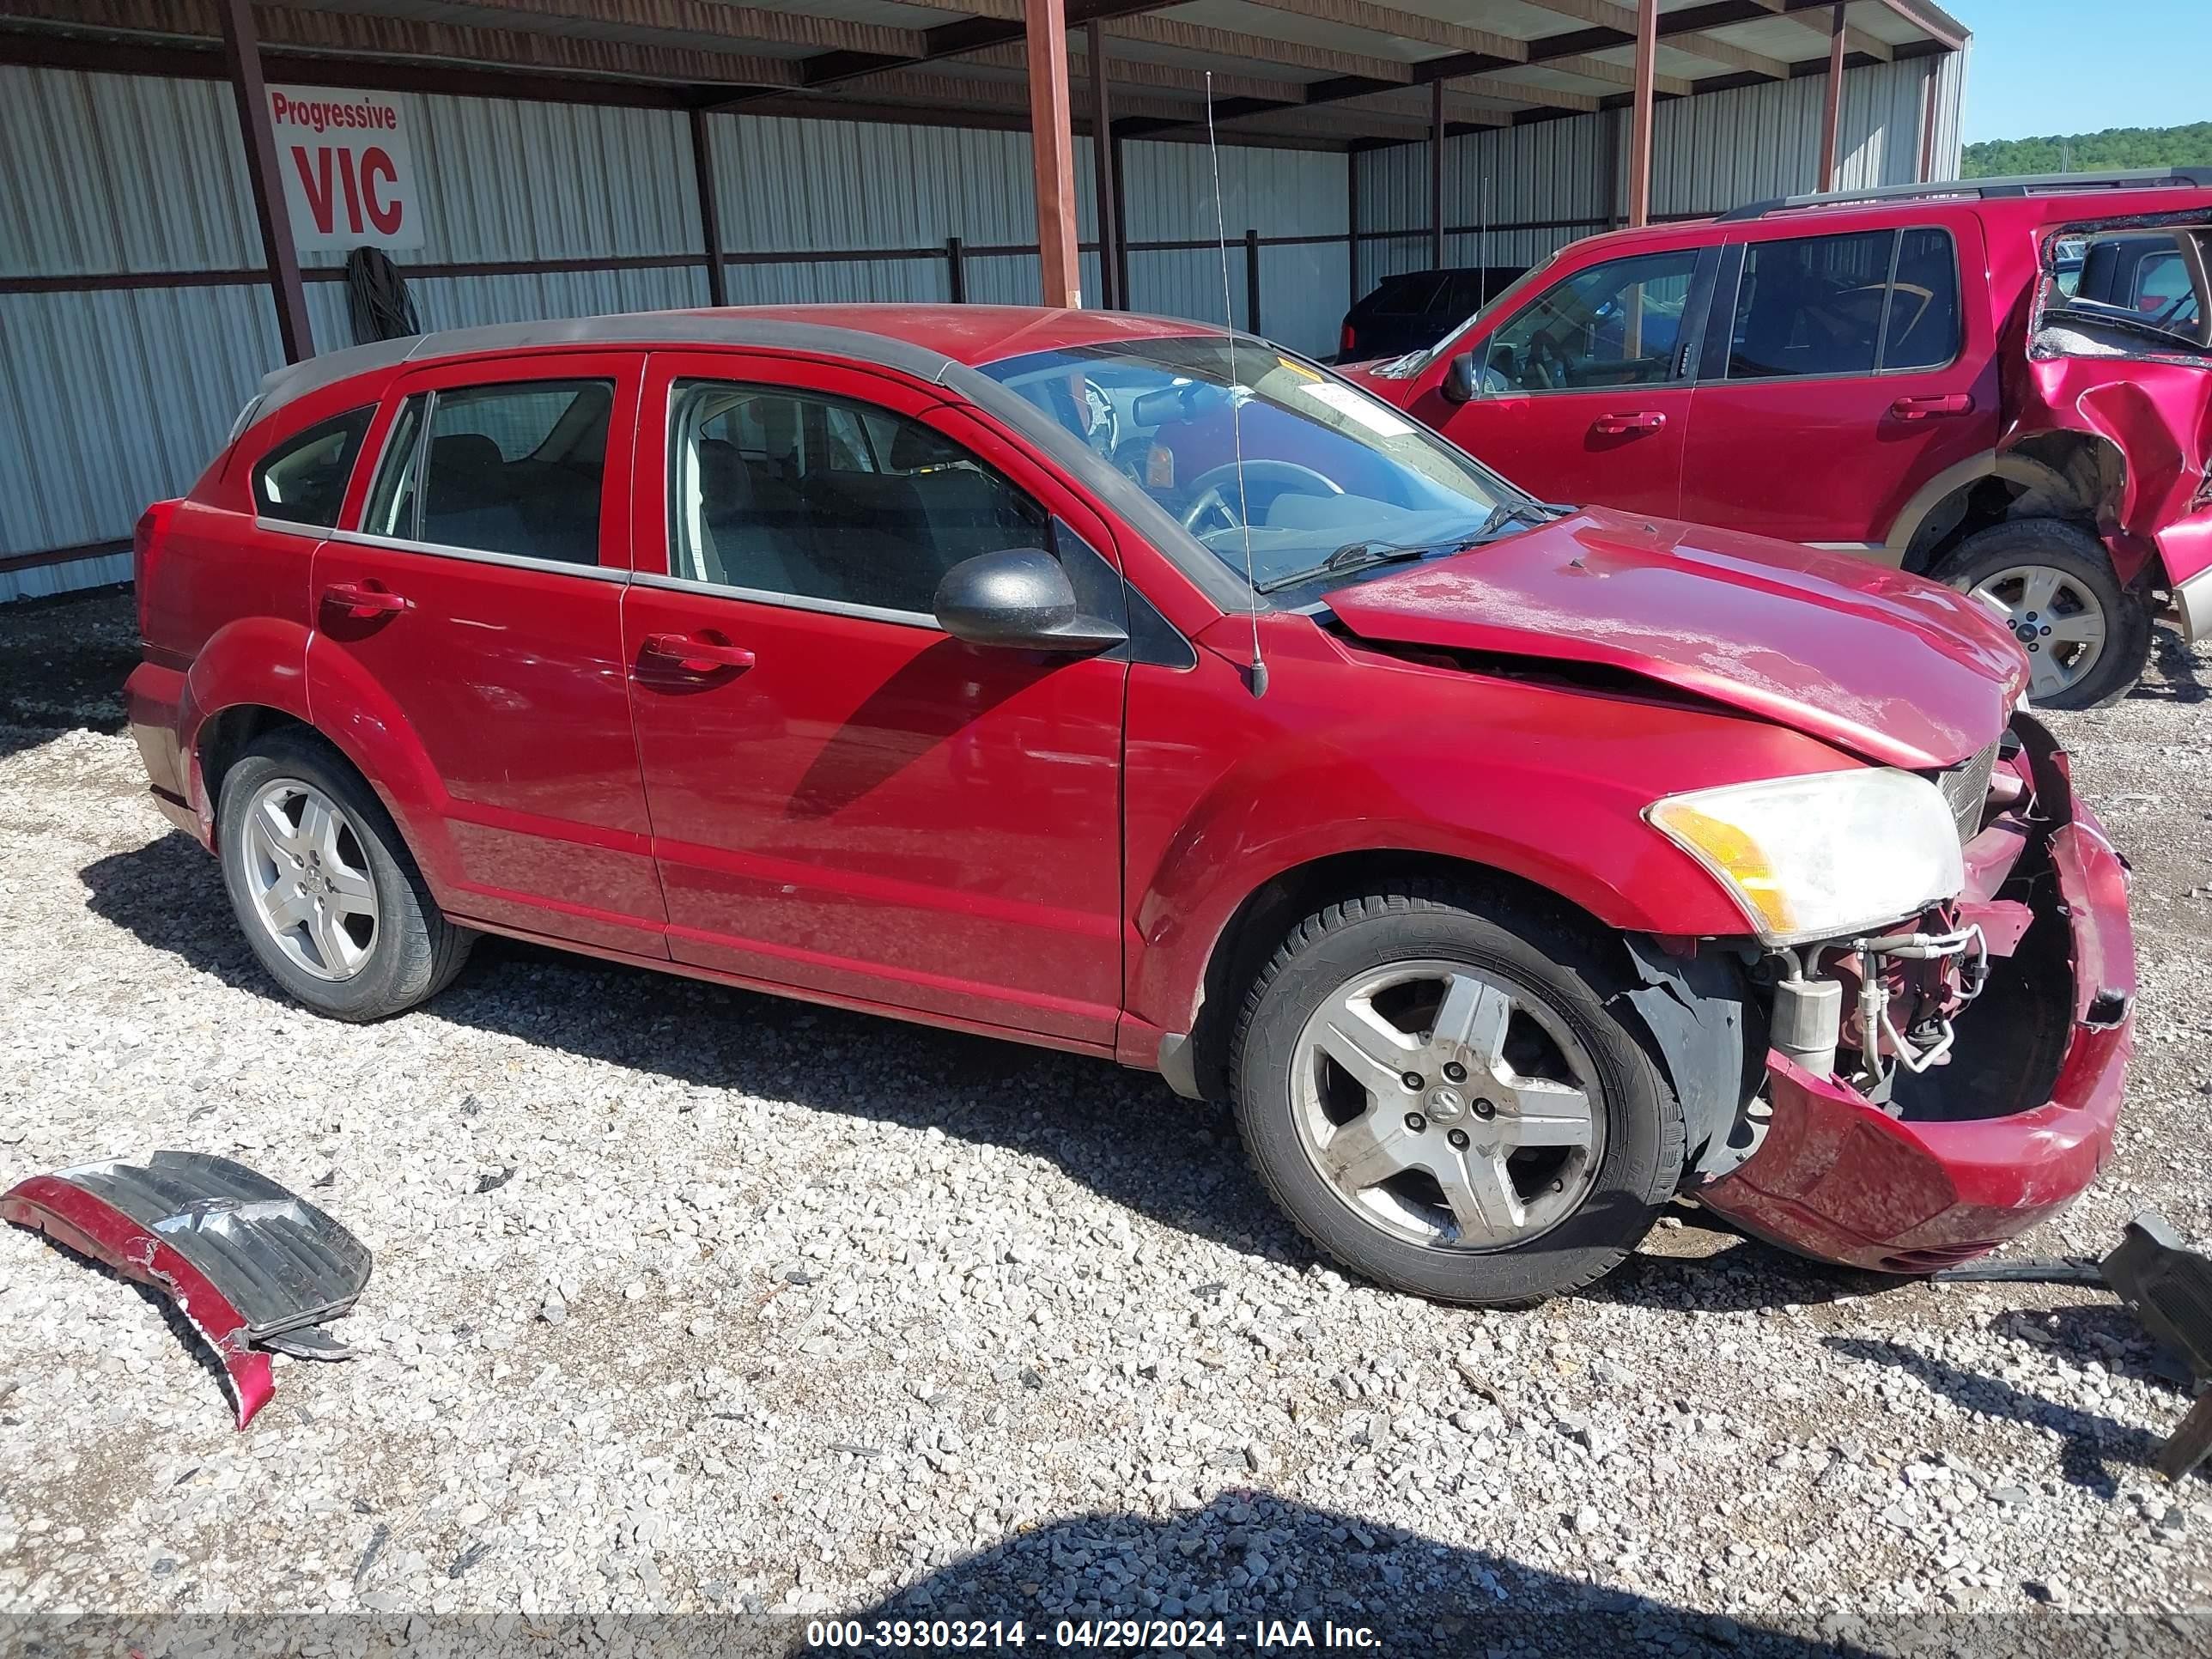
(1100, 681)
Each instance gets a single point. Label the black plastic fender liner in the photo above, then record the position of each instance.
(1710, 1034)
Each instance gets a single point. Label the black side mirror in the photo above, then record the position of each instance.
(1022, 599)
(1461, 381)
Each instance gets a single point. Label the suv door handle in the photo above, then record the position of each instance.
(699, 653)
(1613, 426)
(1920, 408)
(363, 598)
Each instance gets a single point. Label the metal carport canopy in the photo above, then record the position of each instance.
(1341, 74)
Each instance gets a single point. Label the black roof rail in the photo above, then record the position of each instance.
(2024, 184)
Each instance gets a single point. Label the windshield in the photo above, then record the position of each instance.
(1330, 472)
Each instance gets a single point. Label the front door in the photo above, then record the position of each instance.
(845, 798)
(472, 619)
(1840, 376)
(1583, 394)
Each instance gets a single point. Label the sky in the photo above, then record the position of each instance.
(2042, 67)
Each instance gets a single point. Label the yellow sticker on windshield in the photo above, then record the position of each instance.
(1298, 369)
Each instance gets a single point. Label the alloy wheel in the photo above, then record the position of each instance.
(2059, 622)
(308, 873)
(1448, 1105)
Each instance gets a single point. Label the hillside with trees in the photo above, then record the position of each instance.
(2095, 152)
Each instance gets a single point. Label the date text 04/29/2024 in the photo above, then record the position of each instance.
(1177, 1635)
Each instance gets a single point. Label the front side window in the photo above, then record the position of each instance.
(1846, 304)
(1330, 472)
(517, 469)
(1615, 323)
(788, 493)
(303, 479)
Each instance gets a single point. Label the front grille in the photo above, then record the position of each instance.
(1965, 789)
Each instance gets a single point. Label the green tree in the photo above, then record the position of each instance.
(2094, 152)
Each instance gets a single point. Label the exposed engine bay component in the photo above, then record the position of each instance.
(253, 1265)
(1808, 1021)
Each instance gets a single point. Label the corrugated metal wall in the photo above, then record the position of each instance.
(1567, 178)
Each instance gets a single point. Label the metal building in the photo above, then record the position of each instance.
(570, 156)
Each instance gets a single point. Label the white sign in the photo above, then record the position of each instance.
(349, 169)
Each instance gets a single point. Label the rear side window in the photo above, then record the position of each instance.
(303, 479)
(516, 469)
(1846, 304)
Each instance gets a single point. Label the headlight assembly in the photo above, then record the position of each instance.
(1823, 856)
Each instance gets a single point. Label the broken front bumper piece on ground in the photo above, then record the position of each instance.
(253, 1265)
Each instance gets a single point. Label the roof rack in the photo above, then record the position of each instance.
(1981, 189)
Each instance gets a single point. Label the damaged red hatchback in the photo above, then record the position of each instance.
(1099, 682)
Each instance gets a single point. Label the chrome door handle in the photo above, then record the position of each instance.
(363, 598)
(697, 653)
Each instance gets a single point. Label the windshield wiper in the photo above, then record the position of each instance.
(1365, 555)
(1529, 513)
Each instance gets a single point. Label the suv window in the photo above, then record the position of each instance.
(1846, 304)
(1615, 323)
(787, 493)
(515, 469)
(303, 480)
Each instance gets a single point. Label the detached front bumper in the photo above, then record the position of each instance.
(1837, 1177)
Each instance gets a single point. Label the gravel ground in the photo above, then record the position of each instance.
(692, 1301)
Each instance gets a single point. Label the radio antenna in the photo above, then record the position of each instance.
(1258, 668)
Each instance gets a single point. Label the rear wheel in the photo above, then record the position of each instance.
(2051, 583)
(1431, 1085)
(323, 885)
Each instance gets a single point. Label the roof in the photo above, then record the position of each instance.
(1326, 72)
(924, 341)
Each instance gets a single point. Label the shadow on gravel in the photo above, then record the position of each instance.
(1252, 1559)
(1122, 1133)
(2170, 676)
(2093, 1442)
(62, 663)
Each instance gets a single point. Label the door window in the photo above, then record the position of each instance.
(303, 480)
(515, 469)
(789, 494)
(1846, 304)
(1615, 323)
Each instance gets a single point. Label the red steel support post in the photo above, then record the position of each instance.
(1052, 145)
(241, 50)
(1639, 119)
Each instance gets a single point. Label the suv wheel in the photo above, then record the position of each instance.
(1430, 1086)
(328, 898)
(2051, 583)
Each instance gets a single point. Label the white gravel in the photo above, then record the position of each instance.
(688, 1300)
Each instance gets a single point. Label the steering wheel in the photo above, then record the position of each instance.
(1104, 436)
(1216, 489)
(1547, 364)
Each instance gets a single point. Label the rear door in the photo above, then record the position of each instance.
(475, 610)
(844, 797)
(1583, 393)
(1839, 375)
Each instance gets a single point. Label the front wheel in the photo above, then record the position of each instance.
(2050, 584)
(1431, 1085)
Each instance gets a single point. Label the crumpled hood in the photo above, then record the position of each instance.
(1899, 670)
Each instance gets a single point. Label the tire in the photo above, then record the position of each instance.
(2076, 570)
(1401, 1233)
(391, 947)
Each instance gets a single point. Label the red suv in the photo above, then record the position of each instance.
(1896, 373)
(1102, 682)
